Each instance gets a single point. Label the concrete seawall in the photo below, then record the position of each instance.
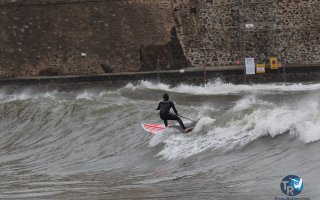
(195, 76)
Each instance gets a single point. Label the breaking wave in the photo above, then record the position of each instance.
(64, 134)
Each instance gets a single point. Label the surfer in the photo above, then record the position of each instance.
(164, 107)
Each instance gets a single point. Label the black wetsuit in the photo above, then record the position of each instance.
(164, 107)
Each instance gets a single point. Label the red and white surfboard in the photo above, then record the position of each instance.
(154, 128)
(159, 128)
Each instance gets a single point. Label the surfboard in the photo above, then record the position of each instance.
(154, 128)
(159, 128)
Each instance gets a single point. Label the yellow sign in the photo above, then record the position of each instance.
(261, 68)
(273, 63)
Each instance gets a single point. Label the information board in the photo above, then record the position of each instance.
(250, 66)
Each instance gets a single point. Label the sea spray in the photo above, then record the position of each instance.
(203, 123)
(218, 87)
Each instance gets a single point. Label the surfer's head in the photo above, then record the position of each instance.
(166, 96)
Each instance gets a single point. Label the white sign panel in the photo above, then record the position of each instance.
(250, 66)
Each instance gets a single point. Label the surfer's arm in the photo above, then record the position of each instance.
(174, 108)
(158, 106)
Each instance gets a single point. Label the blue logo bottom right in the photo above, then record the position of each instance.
(291, 185)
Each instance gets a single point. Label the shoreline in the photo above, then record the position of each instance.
(194, 75)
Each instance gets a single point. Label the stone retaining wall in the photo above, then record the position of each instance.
(65, 37)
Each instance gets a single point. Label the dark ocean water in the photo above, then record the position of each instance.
(89, 144)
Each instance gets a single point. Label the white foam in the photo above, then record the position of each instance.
(249, 102)
(25, 95)
(162, 137)
(203, 123)
(86, 95)
(219, 88)
(310, 131)
(308, 122)
(149, 85)
(90, 95)
(300, 118)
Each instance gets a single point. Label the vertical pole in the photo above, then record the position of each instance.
(109, 76)
(205, 75)
(158, 75)
(242, 40)
(284, 72)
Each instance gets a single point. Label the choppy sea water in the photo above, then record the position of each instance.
(89, 144)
